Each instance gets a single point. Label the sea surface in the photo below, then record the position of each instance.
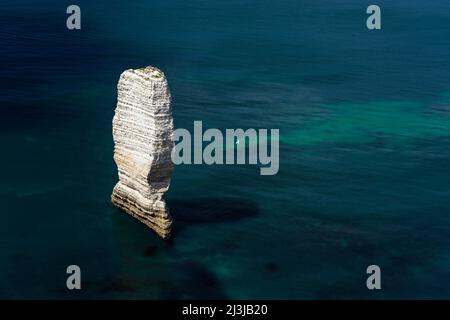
(364, 119)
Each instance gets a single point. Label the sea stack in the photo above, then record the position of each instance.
(142, 133)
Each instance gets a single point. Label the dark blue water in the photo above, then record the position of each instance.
(364, 176)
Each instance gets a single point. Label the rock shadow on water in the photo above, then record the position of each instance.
(188, 280)
(194, 281)
(186, 212)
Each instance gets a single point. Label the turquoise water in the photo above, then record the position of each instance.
(364, 122)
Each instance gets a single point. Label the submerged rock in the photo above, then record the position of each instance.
(142, 133)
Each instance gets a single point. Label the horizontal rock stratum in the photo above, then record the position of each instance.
(142, 133)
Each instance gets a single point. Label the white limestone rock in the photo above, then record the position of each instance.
(142, 133)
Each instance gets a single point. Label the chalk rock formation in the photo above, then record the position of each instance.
(142, 133)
